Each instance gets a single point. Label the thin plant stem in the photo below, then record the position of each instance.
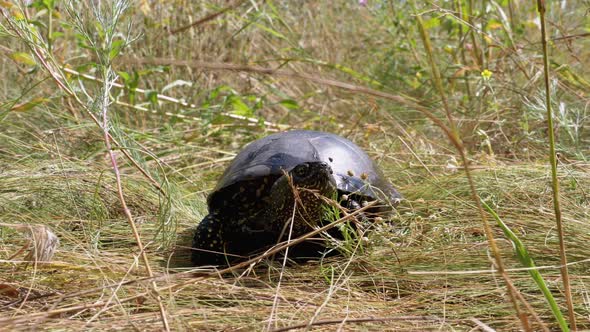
(43, 54)
(554, 181)
(104, 102)
(437, 80)
(526, 260)
(462, 37)
(477, 51)
(454, 136)
(108, 77)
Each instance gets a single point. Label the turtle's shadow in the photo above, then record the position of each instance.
(179, 256)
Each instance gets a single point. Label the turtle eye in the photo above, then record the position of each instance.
(301, 170)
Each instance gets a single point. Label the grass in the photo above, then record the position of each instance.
(189, 96)
(432, 266)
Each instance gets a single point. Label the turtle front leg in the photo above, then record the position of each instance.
(208, 242)
(353, 204)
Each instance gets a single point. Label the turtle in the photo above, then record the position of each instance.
(277, 187)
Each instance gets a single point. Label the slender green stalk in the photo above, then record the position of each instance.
(527, 261)
(50, 27)
(554, 180)
(435, 72)
(460, 12)
(476, 50)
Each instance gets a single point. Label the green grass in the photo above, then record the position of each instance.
(186, 102)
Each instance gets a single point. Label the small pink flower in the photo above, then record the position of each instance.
(363, 2)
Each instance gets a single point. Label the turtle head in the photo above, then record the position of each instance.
(313, 175)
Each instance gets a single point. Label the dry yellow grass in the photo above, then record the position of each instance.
(430, 268)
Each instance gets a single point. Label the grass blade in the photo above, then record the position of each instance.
(527, 261)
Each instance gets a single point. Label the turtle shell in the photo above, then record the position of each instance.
(261, 162)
